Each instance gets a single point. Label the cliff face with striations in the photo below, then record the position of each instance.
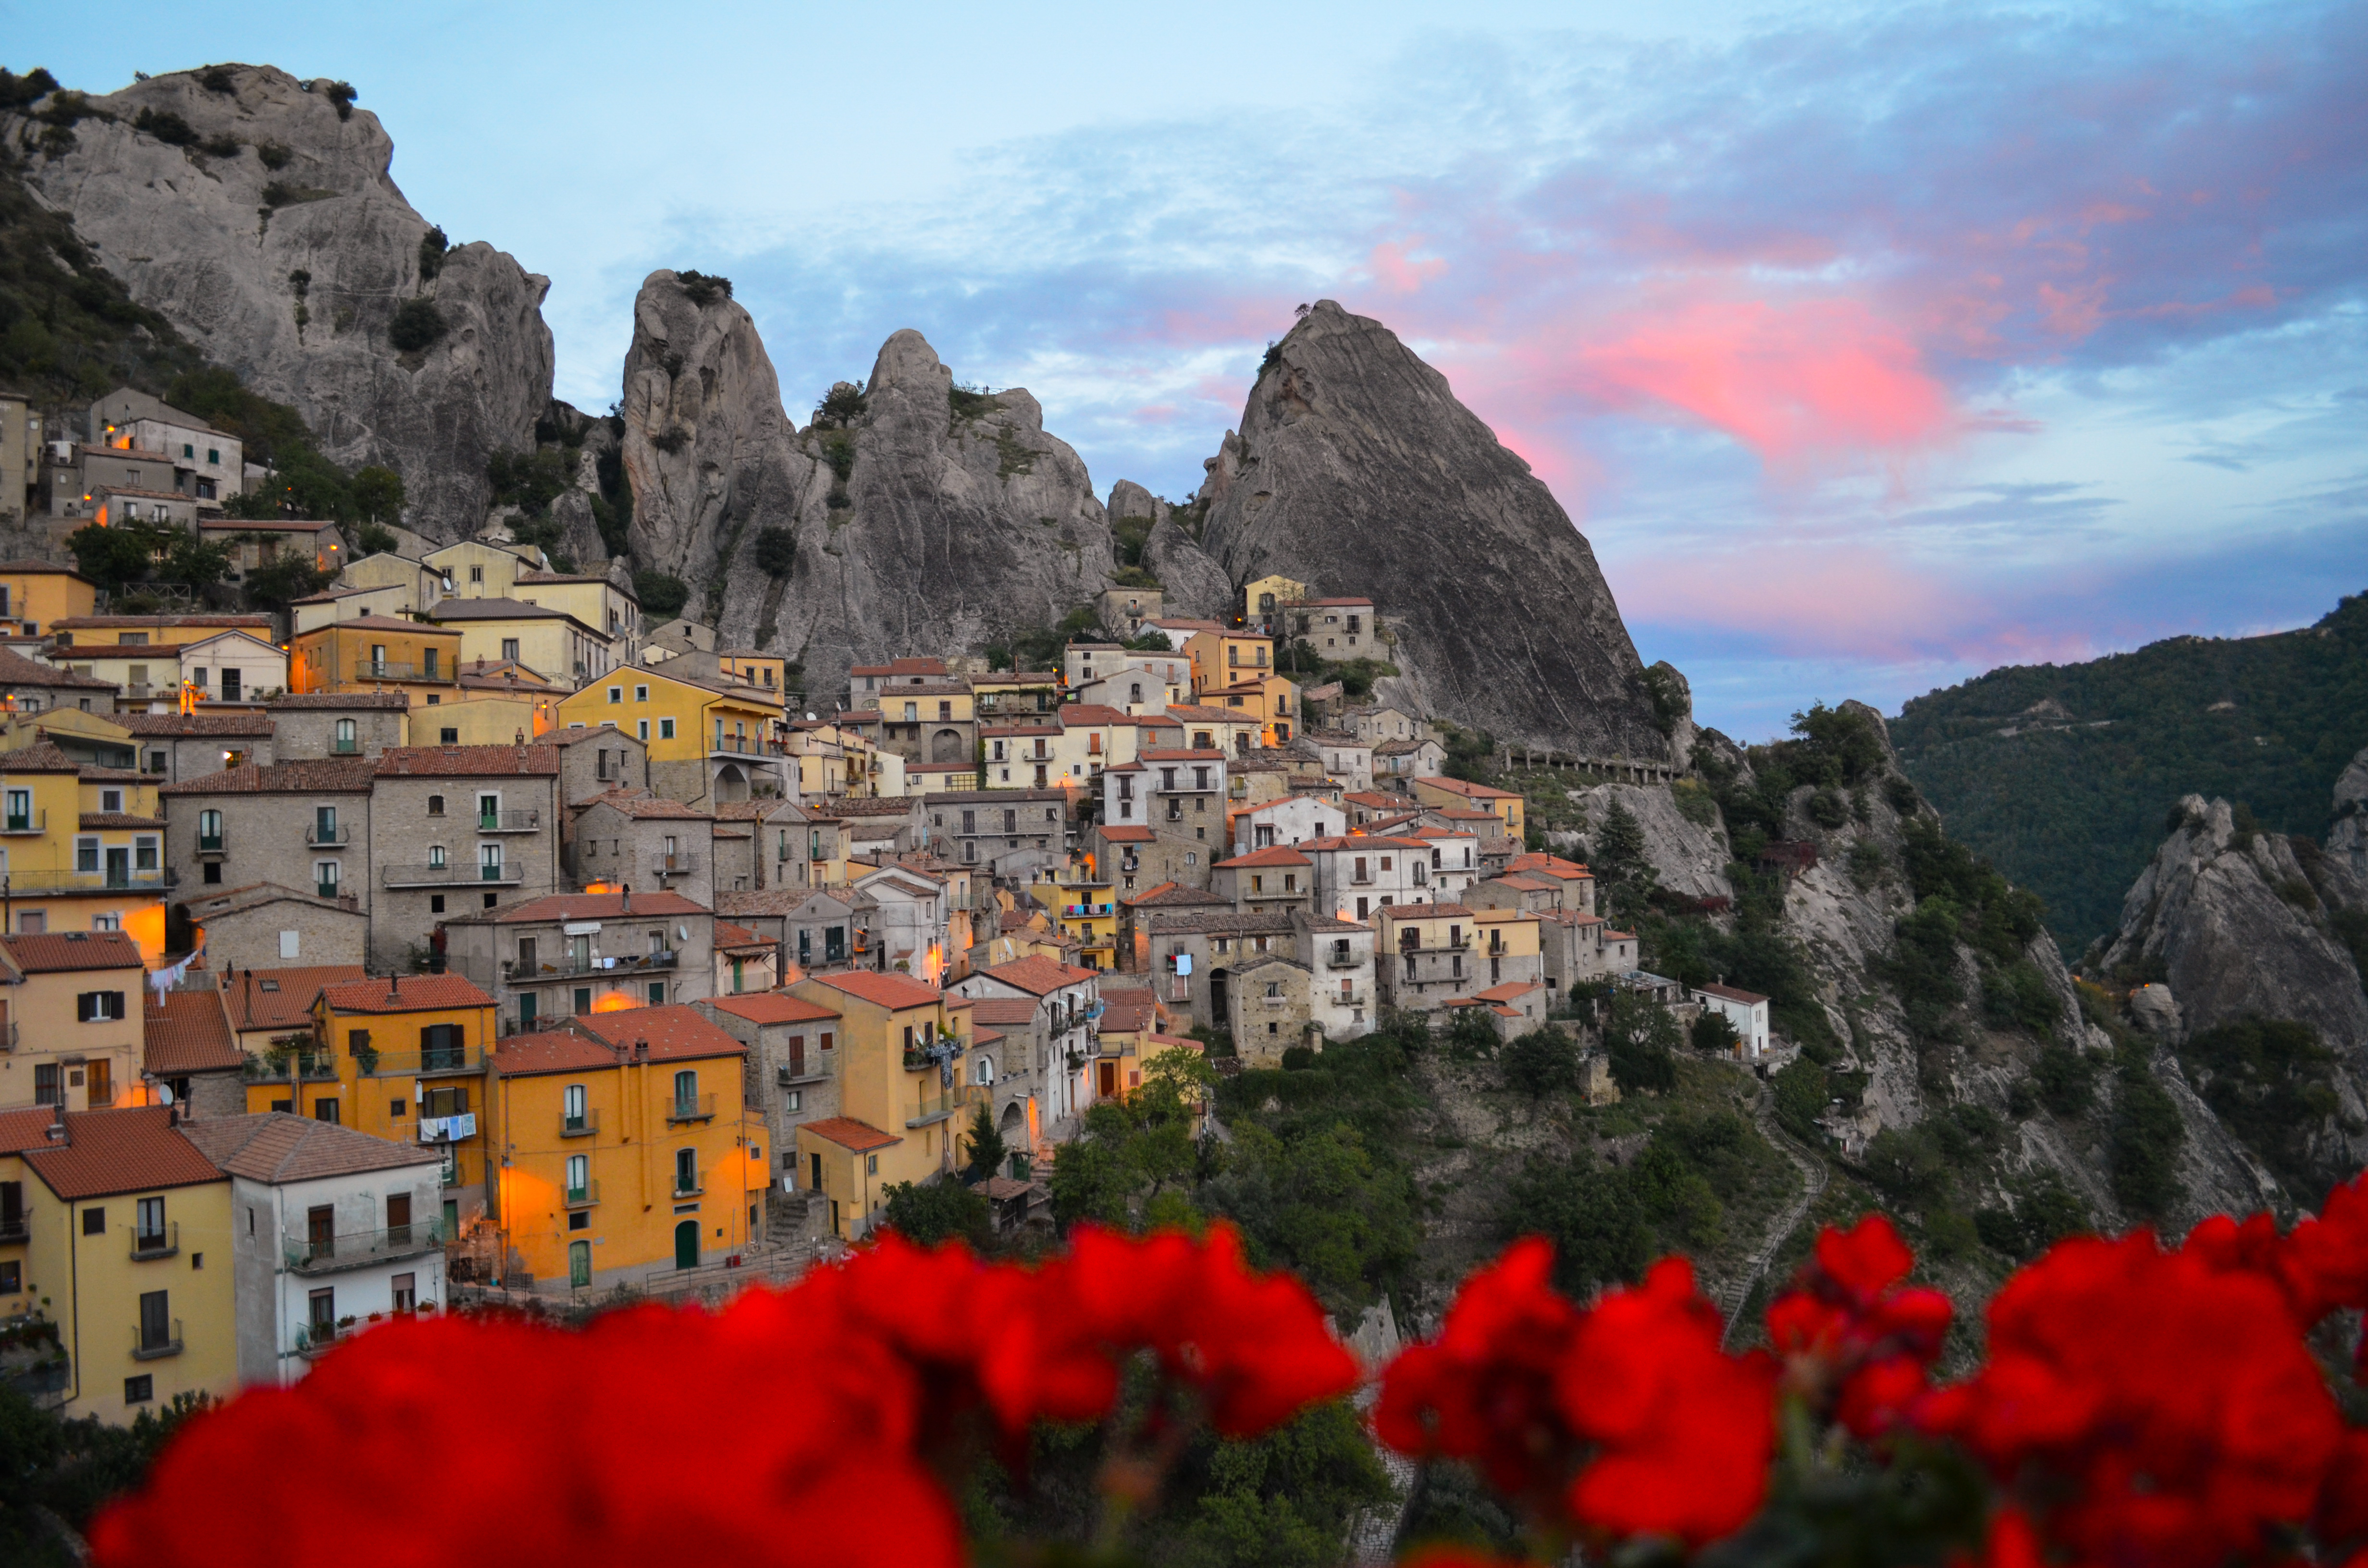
(921, 519)
(1357, 470)
(291, 275)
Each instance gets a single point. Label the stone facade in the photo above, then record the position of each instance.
(173, 749)
(338, 724)
(571, 954)
(1017, 835)
(458, 830)
(644, 842)
(260, 824)
(267, 926)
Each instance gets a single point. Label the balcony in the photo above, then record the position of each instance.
(596, 963)
(509, 873)
(1336, 959)
(19, 1229)
(346, 748)
(420, 1064)
(213, 844)
(324, 890)
(149, 1245)
(674, 865)
(392, 669)
(1343, 999)
(326, 1254)
(19, 822)
(32, 884)
(331, 838)
(146, 1347)
(281, 1067)
(790, 1074)
(447, 1128)
(509, 822)
(699, 1109)
(937, 1107)
(585, 1196)
(585, 1126)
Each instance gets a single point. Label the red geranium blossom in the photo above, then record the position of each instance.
(1626, 1418)
(1852, 1333)
(2152, 1406)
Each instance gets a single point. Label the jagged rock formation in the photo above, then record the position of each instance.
(291, 275)
(1356, 469)
(1687, 857)
(2348, 839)
(2235, 924)
(1191, 582)
(923, 519)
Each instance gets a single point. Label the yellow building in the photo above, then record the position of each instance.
(1445, 792)
(625, 1149)
(543, 638)
(1080, 903)
(82, 849)
(1263, 599)
(73, 1024)
(378, 653)
(128, 1251)
(904, 1067)
(1510, 943)
(492, 706)
(1220, 659)
(768, 673)
(1269, 697)
(414, 582)
(609, 608)
(402, 1058)
(477, 569)
(707, 744)
(34, 593)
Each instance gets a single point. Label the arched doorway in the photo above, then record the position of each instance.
(1218, 1012)
(946, 745)
(731, 783)
(686, 1244)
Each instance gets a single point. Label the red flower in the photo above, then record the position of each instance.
(2164, 1410)
(1852, 1336)
(1627, 1418)
(2325, 1261)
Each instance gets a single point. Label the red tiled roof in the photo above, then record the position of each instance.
(107, 1151)
(1510, 991)
(559, 1050)
(316, 775)
(1729, 994)
(27, 1127)
(1548, 865)
(895, 992)
(58, 951)
(1037, 974)
(280, 998)
(1127, 1012)
(275, 1146)
(1005, 1012)
(405, 993)
(773, 1007)
(676, 1032)
(1093, 713)
(850, 1134)
(1471, 792)
(1170, 895)
(1162, 753)
(1128, 834)
(187, 1031)
(1424, 912)
(1276, 855)
(195, 723)
(459, 762)
(386, 700)
(18, 670)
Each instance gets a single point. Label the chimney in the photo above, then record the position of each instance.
(641, 1051)
(627, 907)
(394, 987)
(56, 1131)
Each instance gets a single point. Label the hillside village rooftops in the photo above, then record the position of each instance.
(59, 952)
(390, 700)
(1006, 1012)
(1226, 922)
(1401, 912)
(109, 1152)
(18, 670)
(466, 762)
(187, 1031)
(849, 1134)
(278, 1147)
(1729, 994)
(997, 732)
(1363, 841)
(590, 1042)
(1194, 714)
(405, 993)
(1471, 792)
(280, 998)
(1548, 866)
(647, 807)
(39, 757)
(382, 623)
(21, 568)
(1174, 895)
(190, 725)
(1125, 834)
(1038, 975)
(1163, 754)
(154, 623)
(773, 1007)
(900, 667)
(1278, 855)
(894, 991)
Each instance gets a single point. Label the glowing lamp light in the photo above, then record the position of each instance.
(616, 1002)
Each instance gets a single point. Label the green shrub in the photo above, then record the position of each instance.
(221, 145)
(1827, 809)
(378, 496)
(2044, 1212)
(1801, 1098)
(274, 155)
(417, 322)
(839, 451)
(1868, 863)
(1298, 1058)
(166, 127)
(1641, 1039)
(217, 79)
(1590, 1215)
(531, 481)
(2065, 1079)
(432, 246)
(23, 92)
(1907, 1165)
(1836, 745)
(2271, 1081)
(926, 1213)
(776, 551)
(843, 403)
(2146, 1137)
(662, 594)
(373, 540)
(2019, 996)
(1541, 1063)
(1713, 1033)
(702, 288)
(342, 95)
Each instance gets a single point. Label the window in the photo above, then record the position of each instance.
(98, 1006)
(685, 1170)
(476, 574)
(325, 825)
(448, 736)
(45, 1082)
(347, 740)
(230, 681)
(617, 694)
(155, 1320)
(406, 1292)
(435, 805)
(86, 854)
(685, 1091)
(136, 1390)
(20, 810)
(666, 729)
(324, 878)
(641, 694)
(577, 1102)
(579, 1178)
(110, 800)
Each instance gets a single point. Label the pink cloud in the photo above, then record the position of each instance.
(1393, 271)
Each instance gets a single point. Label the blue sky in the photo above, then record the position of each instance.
(1870, 346)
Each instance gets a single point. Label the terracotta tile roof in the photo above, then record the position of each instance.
(605, 730)
(18, 670)
(676, 1032)
(773, 1007)
(1198, 713)
(317, 776)
(1039, 976)
(1729, 994)
(1128, 1012)
(405, 993)
(280, 998)
(388, 699)
(61, 951)
(276, 1147)
(850, 1134)
(466, 762)
(44, 568)
(1128, 834)
(745, 905)
(92, 822)
(1548, 866)
(1226, 922)
(107, 1151)
(380, 623)
(187, 1031)
(1433, 912)
(874, 806)
(558, 1050)
(1511, 991)
(195, 723)
(1172, 895)
(1005, 1012)
(1162, 753)
(255, 895)
(585, 906)
(1278, 855)
(1077, 714)
(29, 1127)
(1471, 792)
(895, 992)
(38, 757)
(1523, 884)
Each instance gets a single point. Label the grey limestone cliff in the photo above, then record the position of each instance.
(1357, 470)
(1191, 583)
(290, 273)
(923, 518)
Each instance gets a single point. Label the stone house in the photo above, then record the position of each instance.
(1432, 954)
(1265, 880)
(175, 746)
(455, 830)
(1745, 1010)
(907, 932)
(1009, 1035)
(816, 928)
(337, 724)
(191, 1054)
(1123, 610)
(744, 960)
(630, 838)
(1270, 1008)
(1135, 912)
(1581, 951)
(1359, 874)
(1016, 835)
(595, 759)
(735, 857)
(31, 687)
(1512, 1009)
(1402, 762)
(1066, 1001)
(263, 923)
(1293, 820)
(793, 1075)
(1576, 882)
(1197, 957)
(298, 824)
(1456, 860)
(1379, 723)
(572, 954)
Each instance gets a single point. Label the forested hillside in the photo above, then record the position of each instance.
(2061, 774)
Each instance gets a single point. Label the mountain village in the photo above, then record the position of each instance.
(460, 934)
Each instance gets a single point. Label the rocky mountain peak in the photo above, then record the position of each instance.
(908, 365)
(242, 205)
(1354, 462)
